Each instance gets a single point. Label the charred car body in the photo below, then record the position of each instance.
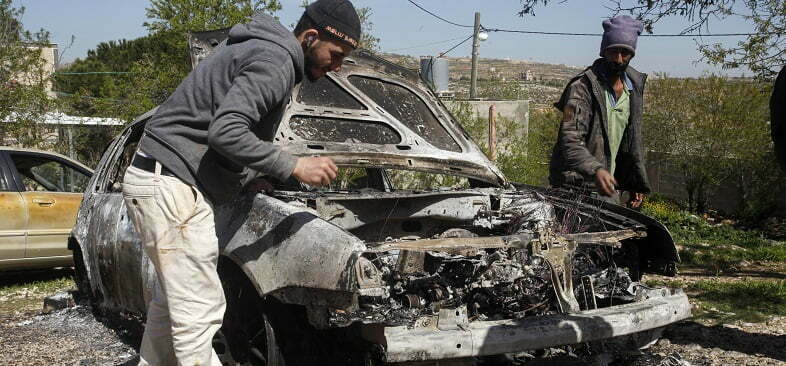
(481, 267)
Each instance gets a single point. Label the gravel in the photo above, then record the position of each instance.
(71, 336)
(74, 336)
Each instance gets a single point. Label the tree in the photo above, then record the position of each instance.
(183, 16)
(163, 48)
(367, 39)
(23, 79)
(712, 130)
(147, 69)
(763, 52)
(143, 72)
(523, 156)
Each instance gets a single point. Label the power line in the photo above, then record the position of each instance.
(456, 46)
(60, 93)
(424, 45)
(95, 73)
(439, 17)
(601, 34)
(582, 34)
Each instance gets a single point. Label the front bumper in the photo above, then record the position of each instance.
(458, 339)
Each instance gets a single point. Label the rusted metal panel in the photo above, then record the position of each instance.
(504, 336)
(201, 44)
(610, 238)
(281, 246)
(12, 226)
(414, 152)
(51, 216)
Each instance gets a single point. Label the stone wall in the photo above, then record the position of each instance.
(517, 110)
(670, 181)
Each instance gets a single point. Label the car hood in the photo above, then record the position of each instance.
(372, 113)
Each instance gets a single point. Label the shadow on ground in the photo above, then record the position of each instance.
(728, 338)
(757, 274)
(24, 278)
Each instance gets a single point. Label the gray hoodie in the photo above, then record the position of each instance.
(221, 117)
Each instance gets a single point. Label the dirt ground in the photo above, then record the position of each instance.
(705, 341)
(74, 336)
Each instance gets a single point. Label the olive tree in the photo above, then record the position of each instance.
(712, 130)
(24, 81)
(196, 15)
(763, 51)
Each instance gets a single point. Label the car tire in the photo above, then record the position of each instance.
(247, 337)
(80, 276)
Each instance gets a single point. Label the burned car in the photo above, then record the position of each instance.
(422, 250)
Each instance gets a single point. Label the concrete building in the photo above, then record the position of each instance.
(49, 55)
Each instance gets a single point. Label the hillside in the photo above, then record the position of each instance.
(541, 83)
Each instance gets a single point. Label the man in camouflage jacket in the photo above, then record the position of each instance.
(599, 143)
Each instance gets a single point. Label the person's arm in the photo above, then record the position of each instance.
(636, 199)
(259, 87)
(576, 121)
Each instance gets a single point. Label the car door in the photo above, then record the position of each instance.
(13, 217)
(52, 189)
(120, 266)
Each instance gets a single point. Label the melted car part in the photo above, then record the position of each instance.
(497, 277)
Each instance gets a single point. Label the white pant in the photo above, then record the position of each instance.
(177, 230)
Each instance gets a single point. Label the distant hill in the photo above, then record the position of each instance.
(539, 82)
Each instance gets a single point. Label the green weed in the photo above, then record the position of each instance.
(724, 302)
(749, 300)
(712, 245)
(22, 291)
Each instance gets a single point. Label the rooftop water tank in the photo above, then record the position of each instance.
(435, 71)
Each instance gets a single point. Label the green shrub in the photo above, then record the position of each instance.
(718, 246)
(750, 300)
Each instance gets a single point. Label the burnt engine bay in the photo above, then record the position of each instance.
(493, 254)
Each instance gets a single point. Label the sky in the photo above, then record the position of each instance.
(404, 29)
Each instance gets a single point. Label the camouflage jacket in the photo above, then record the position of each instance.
(582, 146)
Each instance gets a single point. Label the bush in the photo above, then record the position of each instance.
(713, 130)
(523, 156)
(719, 246)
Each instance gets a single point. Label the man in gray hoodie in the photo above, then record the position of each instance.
(192, 156)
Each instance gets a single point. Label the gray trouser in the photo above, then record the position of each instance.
(177, 230)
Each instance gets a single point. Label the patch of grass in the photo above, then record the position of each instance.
(717, 245)
(22, 291)
(751, 301)
(724, 302)
(39, 281)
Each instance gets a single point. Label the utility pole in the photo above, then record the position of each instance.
(493, 133)
(475, 46)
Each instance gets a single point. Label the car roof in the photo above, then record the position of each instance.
(36, 151)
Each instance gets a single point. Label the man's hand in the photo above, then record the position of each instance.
(635, 200)
(315, 171)
(258, 185)
(605, 182)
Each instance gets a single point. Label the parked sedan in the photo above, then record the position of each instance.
(40, 193)
(422, 250)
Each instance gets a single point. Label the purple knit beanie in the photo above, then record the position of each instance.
(622, 31)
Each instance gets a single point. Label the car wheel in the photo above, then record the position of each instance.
(80, 276)
(246, 337)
